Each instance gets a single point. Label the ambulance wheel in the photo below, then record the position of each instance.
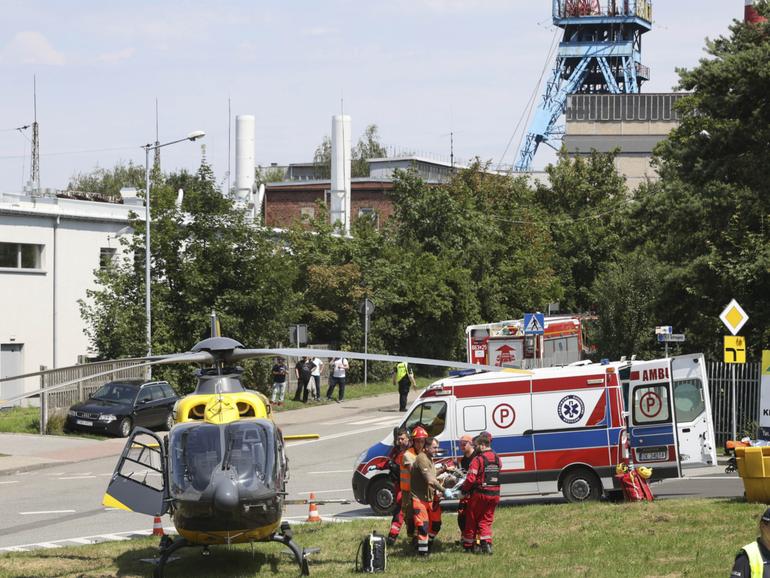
(581, 485)
(382, 496)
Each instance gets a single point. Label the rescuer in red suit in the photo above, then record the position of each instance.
(483, 486)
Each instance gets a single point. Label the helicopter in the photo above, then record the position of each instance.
(222, 470)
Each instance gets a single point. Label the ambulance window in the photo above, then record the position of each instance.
(430, 415)
(688, 399)
(651, 405)
(474, 418)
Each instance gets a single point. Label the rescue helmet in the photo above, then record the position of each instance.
(644, 472)
(621, 469)
(419, 433)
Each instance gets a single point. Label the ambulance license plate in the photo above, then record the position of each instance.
(652, 455)
(84, 422)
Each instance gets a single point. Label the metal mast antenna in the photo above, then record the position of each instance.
(229, 142)
(35, 169)
(600, 53)
(156, 160)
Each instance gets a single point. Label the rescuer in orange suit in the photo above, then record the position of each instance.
(400, 446)
(419, 435)
(425, 501)
(483, 486)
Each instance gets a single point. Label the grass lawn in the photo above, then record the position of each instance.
(356, 391)
(20, 420)
(670, 538)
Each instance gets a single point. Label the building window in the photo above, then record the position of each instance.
(371, 215)
(107, 257)
(21, 256)
(307, 213)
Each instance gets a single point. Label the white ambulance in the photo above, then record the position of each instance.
(563, 429)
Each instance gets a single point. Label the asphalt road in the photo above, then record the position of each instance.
(63, 503)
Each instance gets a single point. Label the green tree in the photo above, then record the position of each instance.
(625, 293)
(108, 182)
(206, 257)
(368, 147)
(586, 204)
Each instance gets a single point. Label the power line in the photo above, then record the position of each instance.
(77, 152)
(563, 221)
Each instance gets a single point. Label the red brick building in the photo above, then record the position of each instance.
(290, 202)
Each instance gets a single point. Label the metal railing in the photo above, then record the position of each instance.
(51, 401)
(578, 8)
(747, 392)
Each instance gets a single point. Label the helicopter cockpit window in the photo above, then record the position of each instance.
(250, 451)
(195, 453)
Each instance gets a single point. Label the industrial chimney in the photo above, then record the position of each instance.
(751, 15)
(244, 159)
(340, 172)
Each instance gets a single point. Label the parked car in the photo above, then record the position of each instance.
(118, 406)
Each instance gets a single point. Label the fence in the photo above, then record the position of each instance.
(69, 395)
(747, 384)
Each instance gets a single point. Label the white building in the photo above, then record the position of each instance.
(49, 250)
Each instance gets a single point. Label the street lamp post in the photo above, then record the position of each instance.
(147, 278)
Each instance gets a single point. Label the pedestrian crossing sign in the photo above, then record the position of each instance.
(534, 323)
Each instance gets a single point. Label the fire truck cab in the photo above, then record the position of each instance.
(563, 429)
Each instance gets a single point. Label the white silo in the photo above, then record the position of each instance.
(340, 172)
(244, 158)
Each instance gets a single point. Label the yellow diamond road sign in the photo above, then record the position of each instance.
(734, 317)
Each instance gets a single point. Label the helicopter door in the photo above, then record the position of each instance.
(139, 483)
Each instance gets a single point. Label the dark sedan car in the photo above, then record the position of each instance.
(118, 406)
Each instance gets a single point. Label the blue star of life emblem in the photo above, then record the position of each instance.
(571, 409)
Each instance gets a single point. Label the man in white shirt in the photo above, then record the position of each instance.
(339, 374)
(315, 374)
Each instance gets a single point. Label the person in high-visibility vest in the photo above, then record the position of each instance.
(419, 435)
(400, 446)
(404, 379)
(754, 559)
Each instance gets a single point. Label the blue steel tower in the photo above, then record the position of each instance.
(600, 53)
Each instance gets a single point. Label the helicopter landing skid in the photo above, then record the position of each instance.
(166, 548)
(300, 555)
(169, 546)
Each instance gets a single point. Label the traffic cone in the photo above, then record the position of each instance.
(157, 527)
(312, 513)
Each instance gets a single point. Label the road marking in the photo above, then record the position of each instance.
(83, 541)
(325, 492)
(11, 482)
(114, 538)
(695, 478)
(333, 472)
(48, 545)
(384, 420)
(339, 435)
(47, 512)
(77, 478)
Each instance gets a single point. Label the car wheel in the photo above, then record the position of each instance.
(382, 496)
(124, 428)
(169, 423)
(581, 485)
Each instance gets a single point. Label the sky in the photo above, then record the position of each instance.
(418, 69)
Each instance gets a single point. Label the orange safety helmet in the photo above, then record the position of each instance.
(419, 433)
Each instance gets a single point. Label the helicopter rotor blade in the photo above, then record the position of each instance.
(240, 354)
(200, 357)
(49, 371)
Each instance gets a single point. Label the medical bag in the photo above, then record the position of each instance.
(372, 554)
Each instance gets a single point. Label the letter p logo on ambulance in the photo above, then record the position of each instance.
(571, 408)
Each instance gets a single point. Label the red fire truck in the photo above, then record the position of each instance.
(505, 343)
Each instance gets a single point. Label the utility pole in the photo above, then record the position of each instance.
(156, 160)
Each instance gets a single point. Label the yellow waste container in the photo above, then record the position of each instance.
(754, 469)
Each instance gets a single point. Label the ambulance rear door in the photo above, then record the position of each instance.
(692, 409)
(503, 409)
(652, 426)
